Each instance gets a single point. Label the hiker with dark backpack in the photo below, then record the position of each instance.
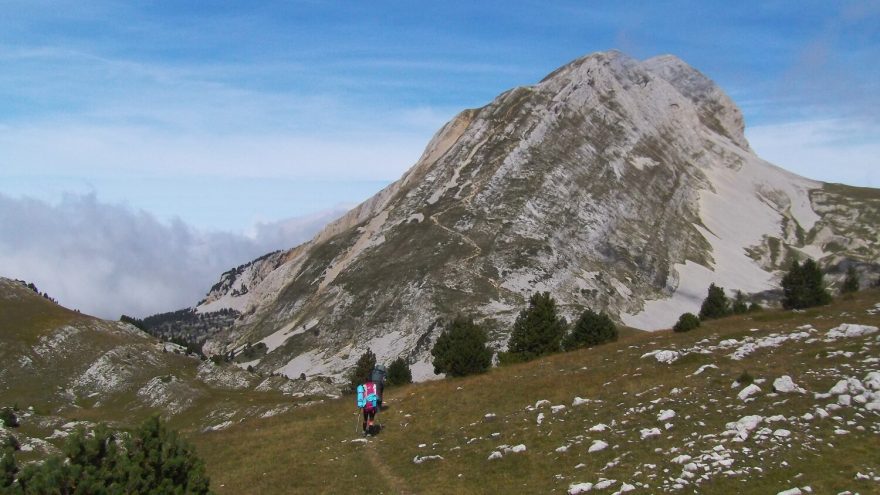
(377, 376)
(368, 401)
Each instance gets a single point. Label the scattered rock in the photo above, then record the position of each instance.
(748, 391)
(785, 384)
(665, 415)
(577, 488)
(704, 368)
(597, 446)
(650, 432)
(664, 356)
(850, 330)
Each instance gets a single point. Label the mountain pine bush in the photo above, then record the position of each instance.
(804, 286)
(716, 304)
(399, 373)
(461, 349)
(686, 323)
(538, 330)
(8, 470)
(591, 329)
(152, 460)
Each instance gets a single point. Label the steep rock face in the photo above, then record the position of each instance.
(614, 184)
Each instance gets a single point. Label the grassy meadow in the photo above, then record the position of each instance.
(318, 449)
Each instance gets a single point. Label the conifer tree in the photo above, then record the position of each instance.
(686, 322)
(740, 304)
(804, 286)
(794, 287)
(851, 282)
(399, 372)
(591, 329)
(361, 371)
(538, 330)
(817, 293)
(461, 349)
(716, 304)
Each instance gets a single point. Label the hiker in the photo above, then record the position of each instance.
(377, 376)
(368, 401)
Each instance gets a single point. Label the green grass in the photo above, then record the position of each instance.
(310, 449)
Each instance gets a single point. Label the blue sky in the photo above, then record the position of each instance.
(99, 96)
(230, 116)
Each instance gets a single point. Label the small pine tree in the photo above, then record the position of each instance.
(591, 329)
(755, 307)
(538, 330)
(740, 304)
(398, 373)
(716, 304)
(361, 371)
(851, 282)
(794, 287)
(804, 286)
(817, 294)
(461, 349)
(686, 323)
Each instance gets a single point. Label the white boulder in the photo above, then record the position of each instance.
(785, 384)
(748, 391)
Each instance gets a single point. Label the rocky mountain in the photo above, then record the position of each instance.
(615, 184)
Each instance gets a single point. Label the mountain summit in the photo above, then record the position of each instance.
(615, 184)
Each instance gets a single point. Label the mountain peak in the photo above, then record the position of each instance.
(611, 71)
(717, 110)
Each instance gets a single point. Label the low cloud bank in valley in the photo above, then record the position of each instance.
(108, 259)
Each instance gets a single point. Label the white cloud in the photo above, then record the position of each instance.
(108, 260)
(832, 150)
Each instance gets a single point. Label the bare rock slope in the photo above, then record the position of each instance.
(616, 184)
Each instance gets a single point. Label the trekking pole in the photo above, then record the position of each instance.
(355, 421)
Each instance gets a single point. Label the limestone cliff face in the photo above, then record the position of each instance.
(615, 184)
